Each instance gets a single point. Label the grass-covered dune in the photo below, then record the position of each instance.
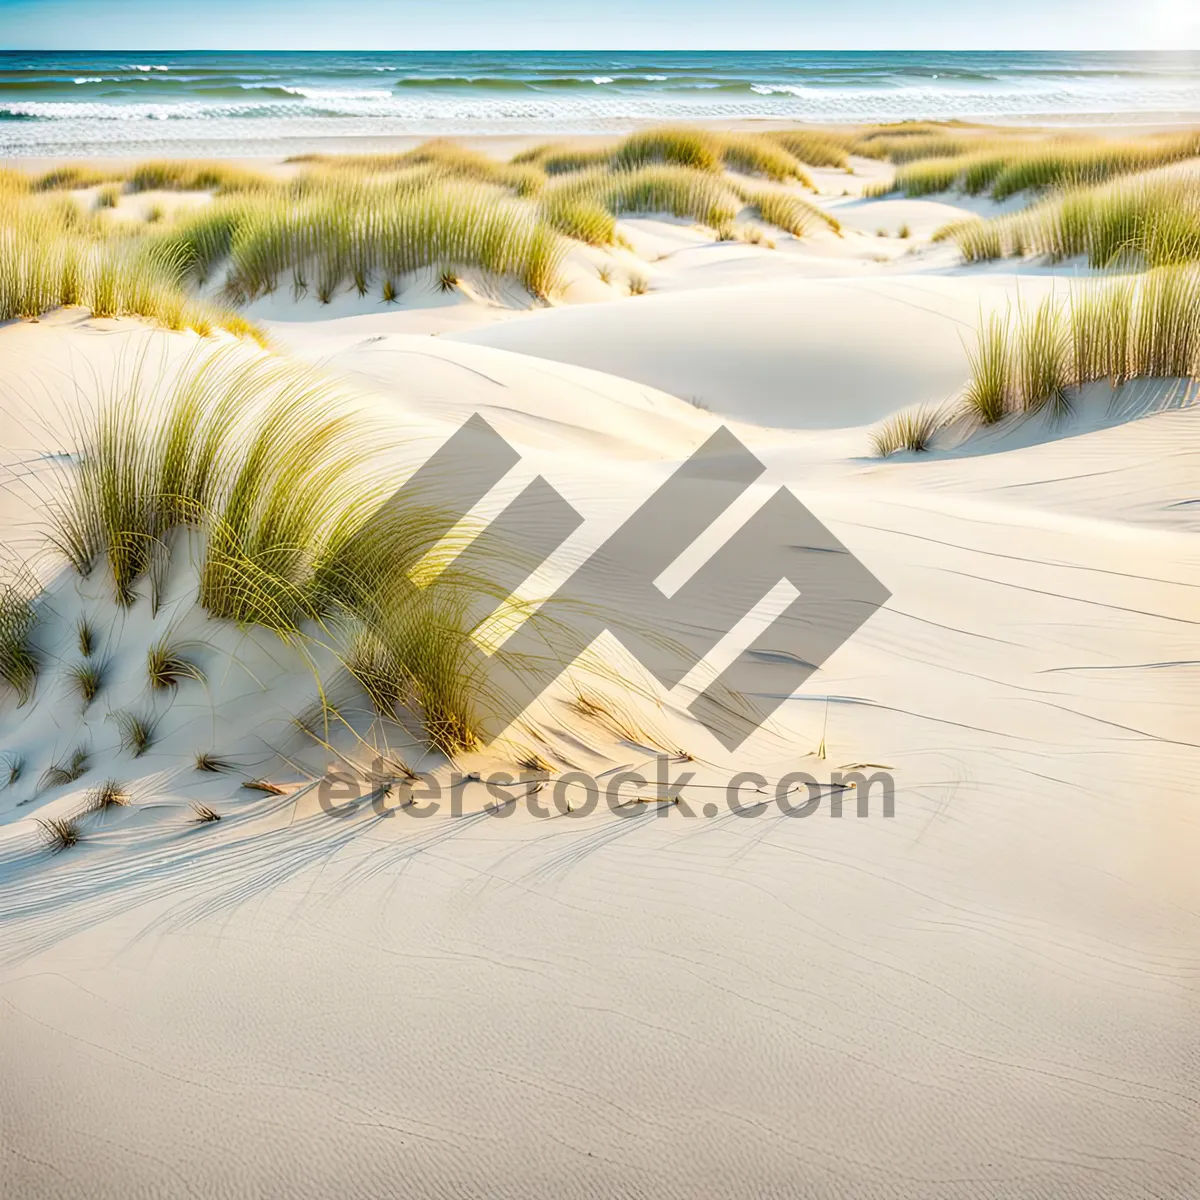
(74, 235)
(258, 486)
(753, 154)
(369, 224)
(1151, 221)
(1038, 358)
(1003, 165)
(365, 222)
(54, 254)
(1141, 323)
(1145, 326)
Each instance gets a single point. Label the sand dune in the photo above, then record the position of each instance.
(816, 354)
(996, 985)
(992, 993)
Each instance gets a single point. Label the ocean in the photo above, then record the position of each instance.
(196, 102)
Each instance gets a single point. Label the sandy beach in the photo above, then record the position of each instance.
(991, 992)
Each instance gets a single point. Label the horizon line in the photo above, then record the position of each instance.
(600, 50)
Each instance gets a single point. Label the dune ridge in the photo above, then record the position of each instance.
(228, 968)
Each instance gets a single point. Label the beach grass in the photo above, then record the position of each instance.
(416, 652)
(191, 175)
(74, 177)
(441, 207)
(754, 154)
(710, 200)
(911, 430)
(85, 636)
(284, 485)
(679, 146)
(365, 222)
(13, 769)
(67, 770)
(586, 204)
(813, 148)
(770, 156)
(211, 763)
(1101, 323)
(18, 658)
(439, 159)
(791, 212)
(1164, 332)
(137, 732)
(50, 256)
(1075, 165)
(680, 191)
(106, 795)
(579, 215)
(1147, 222)
(14, 183)
(18, 617)
(924, 178)
(168, 664)
(1144, 326)
(987, 394)
(1004, 165)
(352, 228)
(908, 141)
(265, 786)
(558, 159)
(59, 833)
(1042, 367)
(87, 678)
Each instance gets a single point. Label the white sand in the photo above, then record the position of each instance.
(992, 994)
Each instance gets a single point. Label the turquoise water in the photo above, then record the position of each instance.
(228, 102)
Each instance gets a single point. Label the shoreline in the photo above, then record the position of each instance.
(505, 145)
(235, 104)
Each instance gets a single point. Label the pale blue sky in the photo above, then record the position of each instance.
(615, 24)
